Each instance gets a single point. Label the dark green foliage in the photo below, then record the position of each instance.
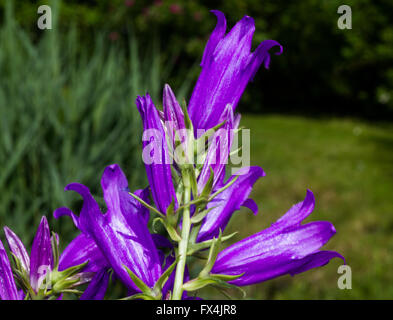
(66, 113)
(323, 69)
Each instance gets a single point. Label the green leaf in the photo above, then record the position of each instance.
(165, 276)
(200, 215)
(206, 244)
(213, 252)
(55, 250)
(174, 235)
(207, 189)
(223, 188)
(138, 282)
(148, 206)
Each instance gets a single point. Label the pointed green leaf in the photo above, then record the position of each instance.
(223, 188)
(138, 282)
(148, 206)
(201, 215)
(207, 244)
(165, 276)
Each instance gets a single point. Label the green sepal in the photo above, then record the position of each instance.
(198, 283)
(189, 178)
(223, 188)
(173, 234)
(207, 189)
(207, 244)
(209, 133)
(213, 252)
(138, 282)
(147, 293)
(165, 276)
(145, 204)
(141, 296)
(213, 280)
(55, 250)
(63, 285)
(71, 271)
(22, 276)
(200, 215)
(187, 120)
(225, 277)
(171, 216)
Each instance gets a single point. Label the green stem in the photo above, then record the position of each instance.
(183, 248)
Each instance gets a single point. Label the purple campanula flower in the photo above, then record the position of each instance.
(173, 116)
(227, 66)
(41, 256)
(286, 247)
(41, 260)
(121, 234)
(8, 289)
(159, 170)
(18, 249)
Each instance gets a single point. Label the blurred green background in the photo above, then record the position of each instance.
(320, 117)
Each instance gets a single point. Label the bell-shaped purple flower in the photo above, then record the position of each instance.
(286, 247)
(155, 152)
(227, 66)
(18, 249)
(8, 289)
(173, 114)
(229, 201)
(41, 257)
(121, 234)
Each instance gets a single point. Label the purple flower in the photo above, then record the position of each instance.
(286, 247)
(97, 287)
(80, 250)
(41, 259)
(227, 66)
(121, 234)
(173, 115)
(159, 170)
(8, 290)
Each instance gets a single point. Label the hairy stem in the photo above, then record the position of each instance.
(183, 248)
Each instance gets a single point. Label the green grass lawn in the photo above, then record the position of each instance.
(348, 165)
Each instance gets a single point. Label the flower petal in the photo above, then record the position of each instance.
(158, 170)
(227, 67)
(284, 248)
(8, 290)
(17, 248)
(121, 234)
(41, 257)
(228, 202)
(173, 114)
(97, 287)
(80, 250)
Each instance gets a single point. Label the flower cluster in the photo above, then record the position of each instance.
(193, 200)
